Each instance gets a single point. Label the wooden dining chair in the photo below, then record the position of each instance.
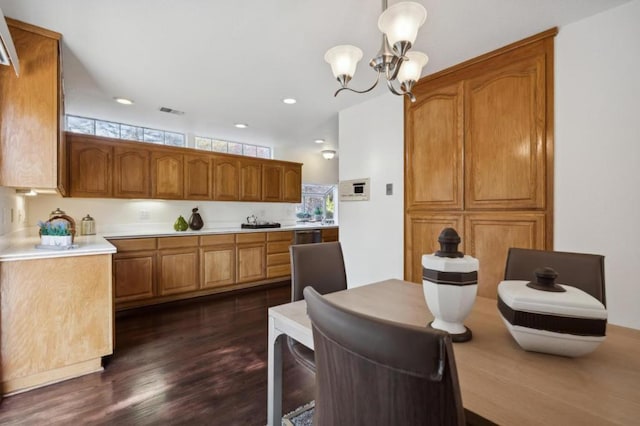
(580, 270)
(371, 371)
(320, 265)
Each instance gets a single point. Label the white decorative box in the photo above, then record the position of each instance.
(552, 318)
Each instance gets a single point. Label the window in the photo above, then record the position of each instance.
(318, 202)
(229, 147)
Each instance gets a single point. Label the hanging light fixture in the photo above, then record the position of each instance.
(399, 25)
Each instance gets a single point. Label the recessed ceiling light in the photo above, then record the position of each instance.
(124, 101)
(289, 101)
(319, 141)
(241, 125)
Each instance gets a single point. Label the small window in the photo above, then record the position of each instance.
(235, 148)
(174, 139)
(80, 125)
(220, 146)
(131, 133)
(263, 152)
(107, 129)
(203, 143)
(249, 150)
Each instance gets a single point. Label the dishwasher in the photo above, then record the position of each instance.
(307, 236)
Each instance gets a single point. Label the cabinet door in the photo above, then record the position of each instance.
(272, 181)
(167, 175)
(133, 275)
(505, 137)
(251, 180)
(251, 262)
(31, 110)
(218, 266)
(226, 178)
(197, 177)
(434, 150)
(489, 237)
(421, 237)
(329, 235)
(131, 173)
(292, 191)
(178, 271)
(91, 165)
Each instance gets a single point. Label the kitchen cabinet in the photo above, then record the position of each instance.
(250, 252)
(330, 235)
(31, 149)
(479, 155)
(177, 265)
(226, 178)
(250, 180)
(197, 178)
(292, 189)
(217, 260)
(134, 270)
(278, 258)
(272, 175)
(167, 175)
(131, 172)
(91, 168)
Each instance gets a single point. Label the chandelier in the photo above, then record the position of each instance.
(399, 25)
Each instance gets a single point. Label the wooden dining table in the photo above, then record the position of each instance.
(500, 382)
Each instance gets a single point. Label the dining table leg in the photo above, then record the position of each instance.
(274, 376)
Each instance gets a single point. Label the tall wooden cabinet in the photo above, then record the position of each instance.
(31, 152)
(479, 158)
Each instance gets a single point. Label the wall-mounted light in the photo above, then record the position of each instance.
(26, 191)
(328, 154)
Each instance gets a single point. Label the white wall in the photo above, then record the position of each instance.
(597, 168)
(315, 168)
(371, 232)
(114, 214)
(12, 211)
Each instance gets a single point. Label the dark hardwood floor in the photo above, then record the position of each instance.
(203, 362)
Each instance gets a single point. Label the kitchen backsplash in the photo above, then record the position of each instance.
(12, 211)
(114, 214)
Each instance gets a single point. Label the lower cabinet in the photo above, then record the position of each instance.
(148, 271)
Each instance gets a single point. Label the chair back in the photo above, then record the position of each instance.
(371, 371)
(320, 265)
(583, 271)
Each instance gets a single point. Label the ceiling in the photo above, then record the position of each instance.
(234, 61)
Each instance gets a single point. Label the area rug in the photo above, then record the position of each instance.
(301, 416)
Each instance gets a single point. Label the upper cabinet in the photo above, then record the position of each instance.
(104, 167)
(32, 112)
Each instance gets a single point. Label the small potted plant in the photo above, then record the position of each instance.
(318, 213)
(55, 234)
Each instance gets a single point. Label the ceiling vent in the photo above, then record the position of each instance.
(171, 111)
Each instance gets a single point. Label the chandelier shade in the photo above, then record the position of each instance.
(401, 22)
(343, 60)
(411, 68)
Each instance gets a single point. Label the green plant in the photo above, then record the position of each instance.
(55, 229)
(318, 211)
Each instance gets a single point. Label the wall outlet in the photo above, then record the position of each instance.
(143, 215)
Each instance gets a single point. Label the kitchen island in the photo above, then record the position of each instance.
(56, 311)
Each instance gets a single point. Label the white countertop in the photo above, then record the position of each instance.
(25, 248)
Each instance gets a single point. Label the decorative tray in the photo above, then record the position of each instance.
(260, 225)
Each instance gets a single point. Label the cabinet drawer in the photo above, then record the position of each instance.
(280, 236)
(251, 237)
(278, 247)
(134, 244)
(278, 271)
(329, 235)
(278, 259)
(176, 242)
(216, 240)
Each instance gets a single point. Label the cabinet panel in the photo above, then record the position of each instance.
(279, 271)
(489, 237)
(131, 173)
(218, 266)
(211, 240)
(251, 262)
(251, 237)
(31, 109)
(282, 258)
(329, 235)
(278, 247)
(177, 242)
(134, 244)
(226, 178)
(272, 181)
(421, 237)
(197, 178)
(434, 150)
(90, 169)
(178, 271)
(251, 180)
(292, 190)
(504, 140)
(280, 236)
(134, 276)
(167, 175)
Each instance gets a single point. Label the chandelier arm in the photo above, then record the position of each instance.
(401, 93)
(359, 91)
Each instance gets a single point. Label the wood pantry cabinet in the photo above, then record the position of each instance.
(31, 149)
(479, 158)
(114, 168)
